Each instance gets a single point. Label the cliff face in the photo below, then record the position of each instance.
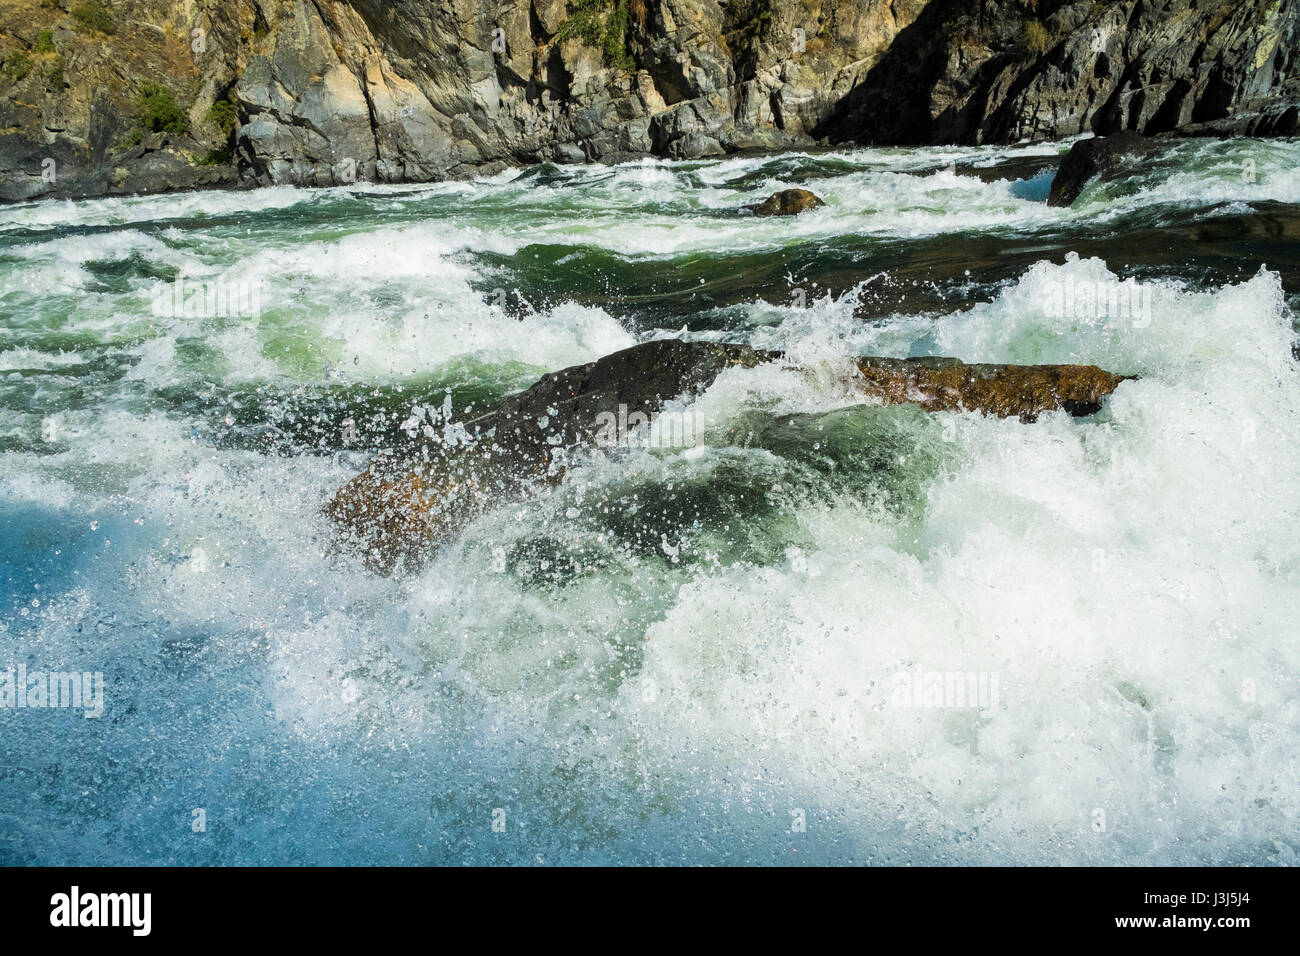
(113, 96)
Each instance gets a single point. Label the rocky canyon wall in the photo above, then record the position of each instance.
(121, 96)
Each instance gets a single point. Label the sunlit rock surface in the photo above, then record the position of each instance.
(158, 95)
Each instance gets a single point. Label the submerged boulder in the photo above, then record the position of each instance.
(1100, 156)
(412, 499)
(397, 510)
(786, 202)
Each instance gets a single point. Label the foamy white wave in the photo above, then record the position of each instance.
(53, 267)
(140, 209)
(1124, 581)
(908, 194)
(422, 340)
(408, 306)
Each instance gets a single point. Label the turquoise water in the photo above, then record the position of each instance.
(718, 653)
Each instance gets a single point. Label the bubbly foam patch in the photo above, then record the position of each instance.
(1125, 580)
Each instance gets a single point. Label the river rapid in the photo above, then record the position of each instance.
(823, 632)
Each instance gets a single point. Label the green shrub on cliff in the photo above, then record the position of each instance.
(157, 112)
(223, 115)
(217, 157)
(17, 65)
(51, 62)
(749, 18)
(1036, 39)
(614, 42)
(584, 23)
(601, 23)
(93, 15)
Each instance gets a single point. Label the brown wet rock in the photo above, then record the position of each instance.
(787, 202)
(1025, 391)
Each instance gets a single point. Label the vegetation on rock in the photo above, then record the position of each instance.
(600, 23)
(1036, 40)
(17, 65)
(93, 15)
(223, 115)
(157, 112)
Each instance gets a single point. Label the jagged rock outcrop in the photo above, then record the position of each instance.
(1009, 71)
(113, 96)
(410, 499)
(1100, 156)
